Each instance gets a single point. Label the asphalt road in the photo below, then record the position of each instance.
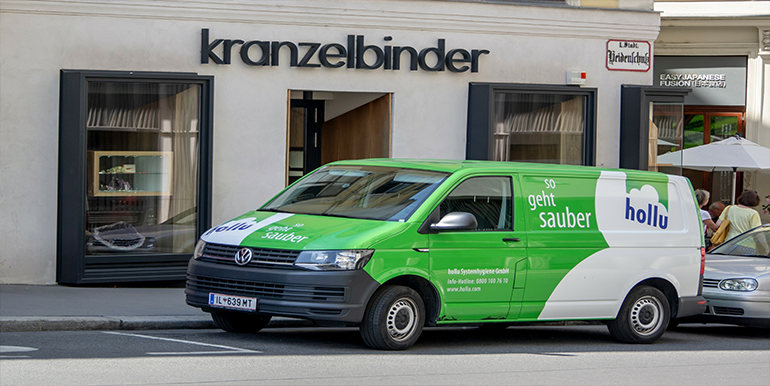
(536, 355)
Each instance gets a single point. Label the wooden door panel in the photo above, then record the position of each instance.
(360, 133)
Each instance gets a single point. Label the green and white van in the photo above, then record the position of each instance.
(394, 245)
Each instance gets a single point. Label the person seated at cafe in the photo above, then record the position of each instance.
(715, 210)
(703, 199)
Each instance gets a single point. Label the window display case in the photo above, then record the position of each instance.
(531, 123)
(130, 173)
(134, 180)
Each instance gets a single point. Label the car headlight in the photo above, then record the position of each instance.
(334, 260)
(738, 285)
(198, 252)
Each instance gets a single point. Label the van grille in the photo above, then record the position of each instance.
(267, 290)
(261, 258)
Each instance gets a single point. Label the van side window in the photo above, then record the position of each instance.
(487, 198)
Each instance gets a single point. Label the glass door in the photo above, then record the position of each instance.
(704, 126)
(305, 119)
(665, 134)
(675, 127)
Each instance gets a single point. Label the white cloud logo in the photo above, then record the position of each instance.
(622, 216)
(644, 207)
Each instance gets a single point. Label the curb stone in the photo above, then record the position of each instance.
(98, 323)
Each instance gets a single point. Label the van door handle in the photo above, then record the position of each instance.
(511, 239)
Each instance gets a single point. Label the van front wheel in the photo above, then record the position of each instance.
(239, 322)
(394, 319)
(643, 318)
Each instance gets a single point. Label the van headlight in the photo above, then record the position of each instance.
(198, 252)
(334, 260)
(745, 285)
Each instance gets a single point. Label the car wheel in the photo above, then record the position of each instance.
(643, 317)
(239, 322)
(394, 319)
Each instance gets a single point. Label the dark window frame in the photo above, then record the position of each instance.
(73, 266)
(481, 106)
(634, 120)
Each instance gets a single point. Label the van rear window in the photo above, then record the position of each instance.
(364, 192)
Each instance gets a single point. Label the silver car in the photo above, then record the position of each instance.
(736, 281)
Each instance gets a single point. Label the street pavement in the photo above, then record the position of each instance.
(60, 308)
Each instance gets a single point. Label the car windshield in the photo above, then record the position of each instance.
(363, 192)
(754, 243)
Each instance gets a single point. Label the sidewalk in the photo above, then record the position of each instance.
(58, 308)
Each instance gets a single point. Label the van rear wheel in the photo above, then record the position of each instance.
(394, 319)
(239, 322)
(643, 318)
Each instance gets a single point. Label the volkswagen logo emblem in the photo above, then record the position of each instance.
(243, 256)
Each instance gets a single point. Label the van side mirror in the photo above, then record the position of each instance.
(456, 221)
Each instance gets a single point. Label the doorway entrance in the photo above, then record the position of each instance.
(330, 126)
(707, 124)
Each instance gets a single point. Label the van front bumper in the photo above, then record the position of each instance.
(326, 297)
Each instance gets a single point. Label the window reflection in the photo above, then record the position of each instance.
(142, 166)
(543, 128)
(665, 135)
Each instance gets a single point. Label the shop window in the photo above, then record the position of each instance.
(142, 147)
(136, 201)
(665, 134)
(526, 123)
(651, 124)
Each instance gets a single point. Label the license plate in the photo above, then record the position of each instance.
(234, 302)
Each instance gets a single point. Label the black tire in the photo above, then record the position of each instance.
(240, 322)
(643, 318)
(394, 319)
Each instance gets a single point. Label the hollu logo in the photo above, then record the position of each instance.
(336, 55)
(243, 256)
(648, 215)
(238, 226)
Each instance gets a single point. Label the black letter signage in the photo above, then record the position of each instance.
(352, 54)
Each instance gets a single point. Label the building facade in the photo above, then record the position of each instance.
(129, 127)
(721, 50)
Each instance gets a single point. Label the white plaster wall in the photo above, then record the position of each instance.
(528, 44)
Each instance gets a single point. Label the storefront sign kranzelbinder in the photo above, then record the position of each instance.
(353, 54)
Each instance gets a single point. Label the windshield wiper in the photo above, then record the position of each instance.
(334, 215)
(274, 210)
(730, 254)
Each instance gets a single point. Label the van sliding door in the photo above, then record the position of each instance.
(476, 268)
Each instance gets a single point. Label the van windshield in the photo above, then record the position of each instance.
(364, 192)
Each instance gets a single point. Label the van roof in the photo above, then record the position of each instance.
(450, 166)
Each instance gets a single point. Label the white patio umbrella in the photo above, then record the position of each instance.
(734, 154)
